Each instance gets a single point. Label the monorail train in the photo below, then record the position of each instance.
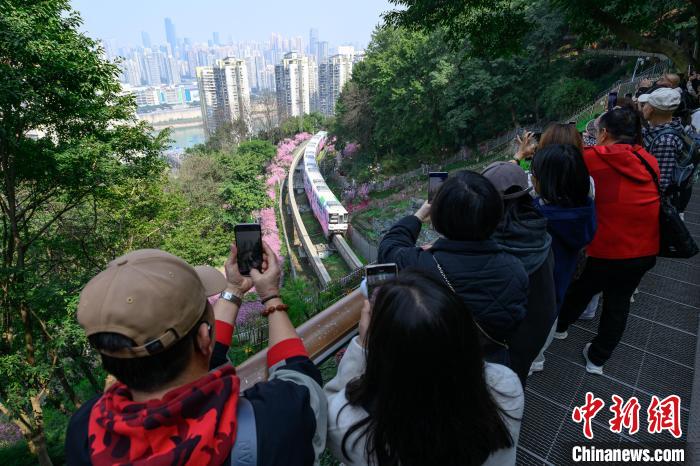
(329, 212)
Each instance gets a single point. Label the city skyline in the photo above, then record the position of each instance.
(117, 21)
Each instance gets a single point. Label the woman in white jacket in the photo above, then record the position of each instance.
(413, 389)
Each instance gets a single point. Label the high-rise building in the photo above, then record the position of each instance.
(322, 52)
(152, 66)
(170, 71)
(346, 50)
(146, 39)
(314, 98)
(131, 72)
(217, 39)
(170, 35)
(313, 42)
(224, 94)
(332, 77)
(292, 85)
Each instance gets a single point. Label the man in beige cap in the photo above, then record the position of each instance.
(177, 397)
(667, 140)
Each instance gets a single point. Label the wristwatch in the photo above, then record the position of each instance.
(230, 297)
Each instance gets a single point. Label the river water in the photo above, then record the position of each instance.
(186, 137)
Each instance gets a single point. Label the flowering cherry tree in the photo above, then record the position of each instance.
(276, 172)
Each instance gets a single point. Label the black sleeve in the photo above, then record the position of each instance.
(77, 446)
(285, 421)
(399, 244)
(219, 356)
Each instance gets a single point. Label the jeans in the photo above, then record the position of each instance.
(617, 279)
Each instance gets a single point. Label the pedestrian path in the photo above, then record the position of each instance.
(657, 356)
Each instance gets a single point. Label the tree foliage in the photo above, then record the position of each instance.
(69, 144)
(499, 27)
(414, 99)
(81, 182)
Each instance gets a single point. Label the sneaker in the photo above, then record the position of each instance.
(590, 367)
(536, 366)
(589, 313)
(561, 335)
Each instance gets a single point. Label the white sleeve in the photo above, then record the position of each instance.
(352, 365)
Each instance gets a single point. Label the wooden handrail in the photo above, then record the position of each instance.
(323, 334)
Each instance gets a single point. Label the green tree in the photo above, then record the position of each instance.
(566, 95)
(68, 143)
(498, 27)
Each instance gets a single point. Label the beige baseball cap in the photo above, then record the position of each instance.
(150, 296)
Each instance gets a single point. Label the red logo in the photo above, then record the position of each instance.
(661, 415)
(587, 412)
(665, 415)
(625, 416)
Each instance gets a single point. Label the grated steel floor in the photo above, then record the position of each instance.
(657, 356)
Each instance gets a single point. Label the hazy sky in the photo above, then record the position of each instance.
(338, 21)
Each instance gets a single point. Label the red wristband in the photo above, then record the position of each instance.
(224, 332)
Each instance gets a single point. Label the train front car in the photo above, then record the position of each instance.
(326, 208)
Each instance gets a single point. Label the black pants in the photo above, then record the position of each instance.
(617, 279)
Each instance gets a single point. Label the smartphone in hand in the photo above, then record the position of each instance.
(249, 245)
(378, 274)
(435, 180)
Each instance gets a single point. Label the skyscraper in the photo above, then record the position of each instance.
(322, 51)
(170, 35)
(224, 94)
(146, 39)
(292, 85)
(313, 42)
(332, 77)
(217, 39)
(153, 66)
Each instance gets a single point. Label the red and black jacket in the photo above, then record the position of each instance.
(196, 424)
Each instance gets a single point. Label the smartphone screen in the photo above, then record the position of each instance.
(537, 135)
(249, 244)
(612, 100)
(378, 274)
(435, 180)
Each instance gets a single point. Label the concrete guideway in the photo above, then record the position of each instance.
(346, 252)
(309, 248)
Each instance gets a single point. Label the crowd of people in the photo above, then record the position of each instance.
(520, 258)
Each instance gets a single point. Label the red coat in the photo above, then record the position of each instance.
(626, 202)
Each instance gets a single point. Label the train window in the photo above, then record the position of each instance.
(333, 218)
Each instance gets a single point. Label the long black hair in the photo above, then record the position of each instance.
(562, 175)
(424, 385)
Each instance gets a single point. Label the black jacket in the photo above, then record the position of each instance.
(528, 240)
(491, 282)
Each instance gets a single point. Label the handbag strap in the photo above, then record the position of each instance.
(650, 170)
(449, 285)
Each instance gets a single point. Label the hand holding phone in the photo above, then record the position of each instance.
(435, 180)
(378, 274)
(267, 279)
(249, 246)
(234, 277)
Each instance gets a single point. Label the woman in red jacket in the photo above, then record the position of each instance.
(626, 243)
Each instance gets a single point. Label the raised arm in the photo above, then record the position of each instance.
(399, 243)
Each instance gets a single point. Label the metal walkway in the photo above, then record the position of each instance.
(657, 356)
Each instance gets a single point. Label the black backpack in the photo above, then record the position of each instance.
(685, 173)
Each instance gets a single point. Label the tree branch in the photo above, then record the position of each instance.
(58, 215)
(22, 418)
(658, 45)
